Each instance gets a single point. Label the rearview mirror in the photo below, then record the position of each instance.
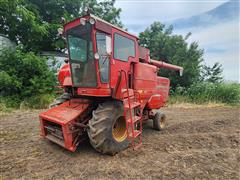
(108, 45)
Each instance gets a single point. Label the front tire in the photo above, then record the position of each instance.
(107, 128)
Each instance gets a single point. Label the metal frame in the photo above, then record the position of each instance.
(148, 91)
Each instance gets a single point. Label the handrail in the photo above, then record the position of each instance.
(129, 104)
(117, 84)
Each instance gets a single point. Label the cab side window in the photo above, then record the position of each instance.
(123, 47)
(103, 58)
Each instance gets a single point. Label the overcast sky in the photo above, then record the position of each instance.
(144, 12)
(220, 41)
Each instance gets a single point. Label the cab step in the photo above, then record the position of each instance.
(132, 105)
(134, 134)
(135, 119)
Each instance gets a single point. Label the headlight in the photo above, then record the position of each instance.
(96, 56)
(83, 21)
(60, 31)
(92, 20)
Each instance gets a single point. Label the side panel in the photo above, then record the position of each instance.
(153, 90)
(163, 85)
(145, 77)
(155, 102)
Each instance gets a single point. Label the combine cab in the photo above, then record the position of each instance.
(111, 86)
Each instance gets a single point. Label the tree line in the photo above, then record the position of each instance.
(33, 24)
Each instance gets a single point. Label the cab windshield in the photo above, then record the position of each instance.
(81, 57)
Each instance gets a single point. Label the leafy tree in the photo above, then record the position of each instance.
(174, 49)
(24, 74)
(34, 23)
(212, 74)
(20, 24)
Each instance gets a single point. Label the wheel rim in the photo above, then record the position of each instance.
(162, 121)
(119, 130)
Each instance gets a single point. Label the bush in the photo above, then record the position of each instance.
(23, 76)
(10, 101)
(209, 92)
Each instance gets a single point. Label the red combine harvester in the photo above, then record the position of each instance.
(111, 87)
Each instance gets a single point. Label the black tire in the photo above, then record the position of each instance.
(101, 125)
(64, 97)
(159, 121)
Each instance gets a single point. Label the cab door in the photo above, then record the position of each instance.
(123, 55)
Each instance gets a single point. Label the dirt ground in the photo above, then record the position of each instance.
(198, 143)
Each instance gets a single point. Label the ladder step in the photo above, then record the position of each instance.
(133, 105)
(135, 134)
(135, 119)
(124, 92)
(137, 146)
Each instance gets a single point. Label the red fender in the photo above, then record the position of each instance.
(64, 76)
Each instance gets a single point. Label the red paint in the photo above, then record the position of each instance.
(137, 76)
(63, 76)
(162, 64)
(64, 115)
(101, 92)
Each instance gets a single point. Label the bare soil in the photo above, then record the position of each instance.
(198, 143)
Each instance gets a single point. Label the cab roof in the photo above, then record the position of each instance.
(74, 23)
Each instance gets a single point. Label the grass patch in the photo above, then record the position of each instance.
(37, 102)
(9, 103)
(4, 110)
(205, 93)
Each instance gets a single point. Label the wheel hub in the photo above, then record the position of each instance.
(162, 121)
(119, 130)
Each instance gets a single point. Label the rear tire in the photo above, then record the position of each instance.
(107, 128)
(159, 121)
